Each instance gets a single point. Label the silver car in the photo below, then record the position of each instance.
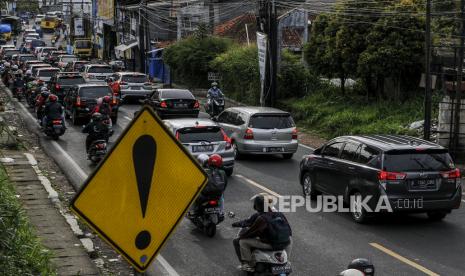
(97, 72)
(133, 85)
(46, 73)
(203, 136)
(260, 130)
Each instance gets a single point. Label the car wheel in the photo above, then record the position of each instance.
(237, 154)
(436, 216)
(229, 171)
(359, 215)
(288, 155)
(308, 187)
(74, 118)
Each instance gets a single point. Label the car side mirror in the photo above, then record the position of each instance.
(214, 118)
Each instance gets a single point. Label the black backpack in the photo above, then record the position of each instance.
(216, 183)
(279, 230)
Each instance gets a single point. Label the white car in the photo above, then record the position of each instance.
(97, 72)
(38, 18)
(46, 73)
(63, 60)
(43, 51)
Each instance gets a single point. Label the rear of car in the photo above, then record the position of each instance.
(23, 58)
(64, 60)
(34, 44)
(204, 137)
(97, 72)
(176, 103)
(52, 57)
(82, 48)
(8, 53)
(86, 99)
(64, 82)
(44, 51)
(134, 85)
(77, 66)
(45, 74)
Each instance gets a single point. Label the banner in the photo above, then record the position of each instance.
(106, 10)
(78, 27)
(262, 44)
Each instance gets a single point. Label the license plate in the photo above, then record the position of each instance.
(279, 269)
(274, 149)
(136, 88)
(214, 210)
(423, 184)
(101, 77)
(180, 105)
(203, 148)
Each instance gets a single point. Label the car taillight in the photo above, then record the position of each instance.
(226, 139)
(78, 101)
(454, 174)
(384, 175)
(57, 87)
(56, 122)
(163, 104)
(123, 83)
(294, 134)
(197, 104)
(177, 135)
(101, 146)
(248, 134)
(213, 202)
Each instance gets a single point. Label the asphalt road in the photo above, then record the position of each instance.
(324, 243)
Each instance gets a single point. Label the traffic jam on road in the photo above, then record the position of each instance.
(270, 205)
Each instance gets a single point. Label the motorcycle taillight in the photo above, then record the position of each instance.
(101, 146)
(56, 122)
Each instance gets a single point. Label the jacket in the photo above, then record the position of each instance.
(53, 111)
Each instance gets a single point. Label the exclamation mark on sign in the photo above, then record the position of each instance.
(144, 154)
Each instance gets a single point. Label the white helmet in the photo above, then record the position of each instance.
(99, 101)
(44, 89)
(203, 159)
(28, 72)
(14, 67)
(7, 64)
(351, 272)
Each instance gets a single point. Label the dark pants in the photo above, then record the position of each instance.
(237, 249)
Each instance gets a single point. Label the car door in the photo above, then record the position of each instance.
(348, 167)
(326, 170)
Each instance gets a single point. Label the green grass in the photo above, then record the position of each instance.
(328, 114)
(21, 252)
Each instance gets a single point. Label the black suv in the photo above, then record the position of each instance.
(63, 81)
(415, 175)
(81, 99)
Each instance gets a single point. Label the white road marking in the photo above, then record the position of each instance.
(171, 271)
(403, 259)
(127, 118)
(305, 146)
(253, 183)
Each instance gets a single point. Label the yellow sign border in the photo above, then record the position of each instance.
(89, 179)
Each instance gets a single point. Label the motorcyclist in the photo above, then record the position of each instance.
(40, 102)
(103, 106)
(351, 272)
(363, 265)
(217, 182)
(96, 129)
(28, 76)
(213, 93)
(16, 75)
(258, 232)
(115, 88)
(6, 72)
(53, 111)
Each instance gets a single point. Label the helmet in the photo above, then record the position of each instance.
(53, 98)
(7, 64)
(28, 72)
(259, 201)
(111, 79)
(96, 116)
(351, 272)
(363, 265)
(44, 89)
(106, 99)
(215, 160)
(203, 159)
(14, 67)
(45, 94)
(214, 83)
(99, 101)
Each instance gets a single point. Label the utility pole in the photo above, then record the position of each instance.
(142, 34)
(268, 23)
(211, 15)
(458, 88)
(427, 123)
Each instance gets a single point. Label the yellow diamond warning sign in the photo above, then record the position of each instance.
(141, 190)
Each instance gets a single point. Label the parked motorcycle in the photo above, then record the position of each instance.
(55, 128)
(215, 106)
(97, 151)
(208, 215)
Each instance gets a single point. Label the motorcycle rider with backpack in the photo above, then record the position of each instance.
(213, 93)
(96, 130)
(267, 229)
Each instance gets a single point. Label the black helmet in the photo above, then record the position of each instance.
(259, 201)
(364, 265)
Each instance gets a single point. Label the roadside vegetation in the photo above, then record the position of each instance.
(21, 252)
(381, 56)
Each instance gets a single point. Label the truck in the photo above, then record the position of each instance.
(80, 33)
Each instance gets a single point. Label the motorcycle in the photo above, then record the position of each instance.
(215, 106)
(97, 151)
(18, 89)
(208, 215)
(267, 262)
(54, 128)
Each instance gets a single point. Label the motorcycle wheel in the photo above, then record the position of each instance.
(210, 230)
(55, 137)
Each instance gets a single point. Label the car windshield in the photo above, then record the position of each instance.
(68, 59)
(409, 162)
(23, 58)
(82, 44)
(271, 121)
(200, 134)
(100, 70)
(37, 43)
(71, 80)
(176, 94)
(47, 50)
(79, 65)
(12, 52)
(95, 92)
(134, 78)
(47, 73)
